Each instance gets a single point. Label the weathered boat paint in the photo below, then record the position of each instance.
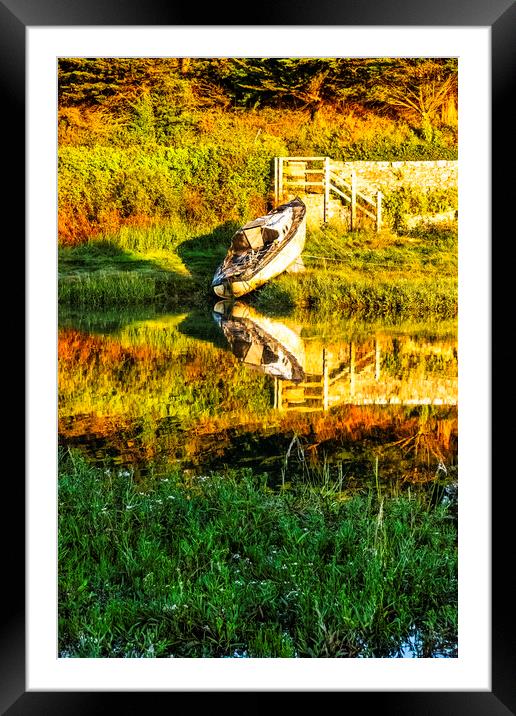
(229, 282)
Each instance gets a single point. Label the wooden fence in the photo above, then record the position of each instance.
(310, 174)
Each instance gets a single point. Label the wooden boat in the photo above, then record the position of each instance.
(261, 250)
(260, 342)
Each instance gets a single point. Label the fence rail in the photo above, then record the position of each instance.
(293, 172)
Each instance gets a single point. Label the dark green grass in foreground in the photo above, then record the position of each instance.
(227, 567)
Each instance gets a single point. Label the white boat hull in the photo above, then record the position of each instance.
(279, 263)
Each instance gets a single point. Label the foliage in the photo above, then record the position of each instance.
(221, 565)
(424, 90)
(399, 204)
(147, 139)
(283, 81)
(103, 188)
(368, 275)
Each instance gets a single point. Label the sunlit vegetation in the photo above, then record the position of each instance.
(202, 513)
(368, 275)
(192, 140)
(223, 565)
(166, 265)
(367, 297)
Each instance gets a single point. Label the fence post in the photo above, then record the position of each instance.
(275, 181)
(326, 188)
(379, 211)
(280, 179)
(353, 200)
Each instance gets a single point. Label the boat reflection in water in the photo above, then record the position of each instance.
(316, 374)
(268, 345)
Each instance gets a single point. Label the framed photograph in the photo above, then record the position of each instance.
(52, 50)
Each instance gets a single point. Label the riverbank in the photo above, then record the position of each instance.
(356, 273)
(223, 565)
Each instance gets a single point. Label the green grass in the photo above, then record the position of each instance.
(222, 565)
(164, 265)
(371, 298)
(362, 273)
(368, 275)
(115, 288)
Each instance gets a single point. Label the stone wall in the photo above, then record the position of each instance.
(389, 176)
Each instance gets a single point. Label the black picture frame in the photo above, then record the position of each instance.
(500, 16)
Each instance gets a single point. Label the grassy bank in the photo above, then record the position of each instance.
(357, 273)
(222, 565)
(369, 275)
(368, 298)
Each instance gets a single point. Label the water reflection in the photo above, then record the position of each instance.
(232, 387)
(261, 342)
(315, 375)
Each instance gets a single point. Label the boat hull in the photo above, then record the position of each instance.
(237, 285)
(279, 264)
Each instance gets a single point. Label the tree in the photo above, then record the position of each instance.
(421, 89)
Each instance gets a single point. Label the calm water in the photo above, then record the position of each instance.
(233, 387)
